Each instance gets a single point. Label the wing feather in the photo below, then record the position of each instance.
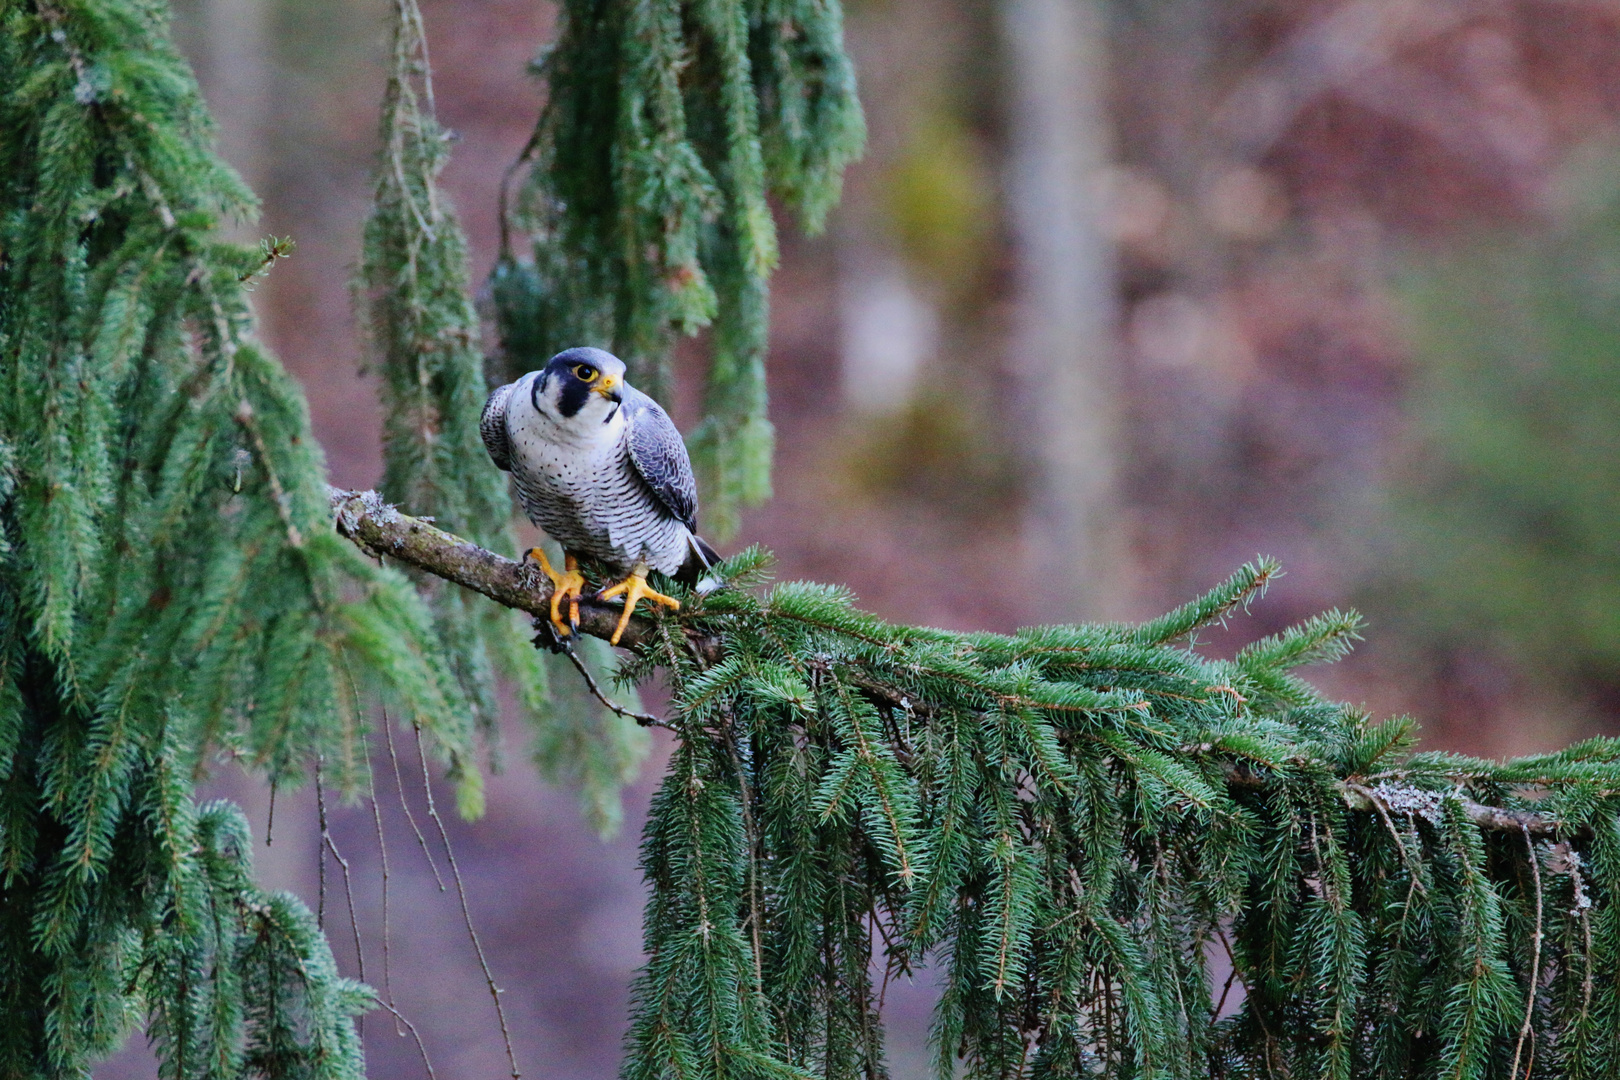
(659, 456)
(492, 426)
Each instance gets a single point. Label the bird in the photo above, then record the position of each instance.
(602, 469)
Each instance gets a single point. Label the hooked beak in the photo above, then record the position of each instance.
(608, 387)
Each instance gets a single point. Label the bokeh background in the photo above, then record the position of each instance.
(1124, 293)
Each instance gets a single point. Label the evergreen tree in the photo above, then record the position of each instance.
(414, 285)
(1077, 827)
(666, 127)
(1067, 823)
(170, 585)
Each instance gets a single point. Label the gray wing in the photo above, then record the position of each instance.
(660, 456)
(492, 426)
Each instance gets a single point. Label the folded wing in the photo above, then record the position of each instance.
(659, 456)
(492, 426)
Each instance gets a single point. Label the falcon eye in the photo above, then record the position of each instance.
(585, 372)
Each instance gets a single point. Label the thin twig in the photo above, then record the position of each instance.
(382, 854)
(1535, 960)
(1411, 890)
(273, 249)
(503, 211)
(466, 913)
(343, 864)
(752, 838)
(1582, 904)
(1231, 977)
(421, 1047)
(1257, 1011)
(246, 417)
(320, 862)
(896, 957)
(644, 719)
(270, 818)
(404, 804)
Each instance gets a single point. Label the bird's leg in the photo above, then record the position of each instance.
(634, 588)
(567, 585)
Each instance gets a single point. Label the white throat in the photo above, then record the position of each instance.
(599, 422)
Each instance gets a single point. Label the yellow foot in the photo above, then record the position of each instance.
(634, 588)
(567, 585)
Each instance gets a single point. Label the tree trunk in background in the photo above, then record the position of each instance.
(1064, 345)
(228, 43)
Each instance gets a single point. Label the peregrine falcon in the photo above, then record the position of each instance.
(601, 468)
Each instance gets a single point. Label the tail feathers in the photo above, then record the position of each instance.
(700, 558)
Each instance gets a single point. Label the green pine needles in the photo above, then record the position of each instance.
(170, 584)
(261, 995)
(1078, 828)
(1118, 857)
(666, 128)
(414, 285)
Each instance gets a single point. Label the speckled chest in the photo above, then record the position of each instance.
(577, 483)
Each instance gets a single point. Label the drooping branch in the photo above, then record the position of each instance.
(381, 530)
(1401, 800)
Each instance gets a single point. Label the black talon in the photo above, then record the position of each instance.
(546, 636)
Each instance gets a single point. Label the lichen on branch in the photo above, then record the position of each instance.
(379, 529)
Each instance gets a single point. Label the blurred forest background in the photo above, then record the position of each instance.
(1122, 294)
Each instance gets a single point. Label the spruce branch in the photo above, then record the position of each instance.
(381, 530)
(272, 249)
(1358, 796)
(413, 289)
(1062, 819)
(644, 719)
(667, 129)
(171, 580)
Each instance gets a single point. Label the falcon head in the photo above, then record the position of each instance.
(582, 386)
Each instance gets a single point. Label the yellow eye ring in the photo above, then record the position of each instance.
(585, 372)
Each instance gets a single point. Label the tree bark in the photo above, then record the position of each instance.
(380, 530)
(1064, 345)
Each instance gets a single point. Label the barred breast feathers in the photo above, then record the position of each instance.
(619, 489)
